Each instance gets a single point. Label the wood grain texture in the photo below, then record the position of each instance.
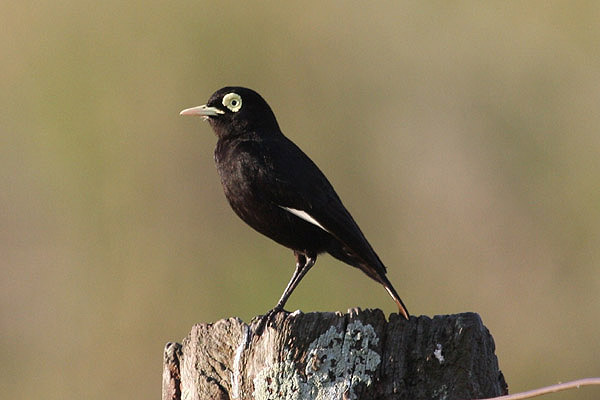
(357, 355)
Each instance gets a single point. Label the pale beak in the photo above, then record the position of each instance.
(202, 111)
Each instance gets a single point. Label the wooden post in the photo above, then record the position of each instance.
(358, 355)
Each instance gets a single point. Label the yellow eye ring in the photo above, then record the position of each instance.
(232, 101)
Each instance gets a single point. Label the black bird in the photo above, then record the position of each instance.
(276, 189)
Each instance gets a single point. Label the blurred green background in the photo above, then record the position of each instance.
(463, 136)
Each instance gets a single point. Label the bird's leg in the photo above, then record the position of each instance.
(304, 262)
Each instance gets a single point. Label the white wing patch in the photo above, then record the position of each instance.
(305, 216)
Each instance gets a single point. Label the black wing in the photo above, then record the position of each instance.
(299, 184)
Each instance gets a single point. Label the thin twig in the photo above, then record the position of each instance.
(549, 389)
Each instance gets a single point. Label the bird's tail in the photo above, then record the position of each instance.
(377, 274)
(381, 278)
(390, 289)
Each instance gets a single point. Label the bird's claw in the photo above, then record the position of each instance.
(268, 318)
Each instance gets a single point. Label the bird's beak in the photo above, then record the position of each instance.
(202, 111)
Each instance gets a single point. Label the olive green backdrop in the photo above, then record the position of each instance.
(463, 136)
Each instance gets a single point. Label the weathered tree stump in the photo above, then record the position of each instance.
(358, 355)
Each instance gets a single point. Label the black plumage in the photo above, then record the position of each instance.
(276, 189)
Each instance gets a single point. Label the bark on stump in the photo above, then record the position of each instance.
(358, 355)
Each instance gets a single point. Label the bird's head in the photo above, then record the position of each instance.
(236, 111)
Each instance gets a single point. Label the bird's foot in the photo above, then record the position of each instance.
(268, 318)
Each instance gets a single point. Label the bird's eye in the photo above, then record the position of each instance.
(232, 101)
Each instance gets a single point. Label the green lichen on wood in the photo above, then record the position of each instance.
(336, 362)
